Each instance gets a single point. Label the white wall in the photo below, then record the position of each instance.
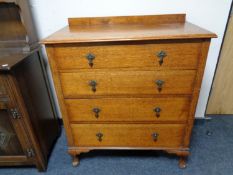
(51, 15)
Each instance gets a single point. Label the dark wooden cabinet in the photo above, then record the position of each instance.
(28, 122)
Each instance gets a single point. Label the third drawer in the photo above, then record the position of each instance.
(128, 109)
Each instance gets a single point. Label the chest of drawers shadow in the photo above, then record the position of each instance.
(128, 82)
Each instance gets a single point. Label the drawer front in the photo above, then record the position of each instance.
(128, 109)
(91, 83)
(131, 135)
(165, 55)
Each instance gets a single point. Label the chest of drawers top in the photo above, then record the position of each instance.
(127, 28)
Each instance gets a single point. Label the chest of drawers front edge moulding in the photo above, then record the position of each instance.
(128, 82)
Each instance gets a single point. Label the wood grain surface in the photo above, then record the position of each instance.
(147, 19)
(128, 29)
(122, 135)
(26, 91)
(128, 109)
(76, 84)
(179, 55)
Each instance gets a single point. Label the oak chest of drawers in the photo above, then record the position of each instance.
(128, 82)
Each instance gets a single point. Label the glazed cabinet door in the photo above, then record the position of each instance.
(9, 141)
(15, 145)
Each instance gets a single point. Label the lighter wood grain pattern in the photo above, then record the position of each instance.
(56, 80)
(221, 98)
(128, 109)
(180, 55)
(122, 135)
(76, 84)
(196, 90)
(128, 32)
(148, 19)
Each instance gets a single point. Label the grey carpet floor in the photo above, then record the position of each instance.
(210, 155)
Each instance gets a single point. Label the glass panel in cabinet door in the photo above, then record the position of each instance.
(9, 142)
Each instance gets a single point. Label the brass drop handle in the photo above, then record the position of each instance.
(157, 111)
(155, 136)
(96, 111)
(93, 85)
(161, 55)
(90, 57)
(160, 84)
(99, 136)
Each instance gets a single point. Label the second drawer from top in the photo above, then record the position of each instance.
(100, 83)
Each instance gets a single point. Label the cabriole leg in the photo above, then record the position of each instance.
(75, 152)
(75, 161)
(183, 162)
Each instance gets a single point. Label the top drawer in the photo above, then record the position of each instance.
(177, 55)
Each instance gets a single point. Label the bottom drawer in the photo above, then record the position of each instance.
(128, 135)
